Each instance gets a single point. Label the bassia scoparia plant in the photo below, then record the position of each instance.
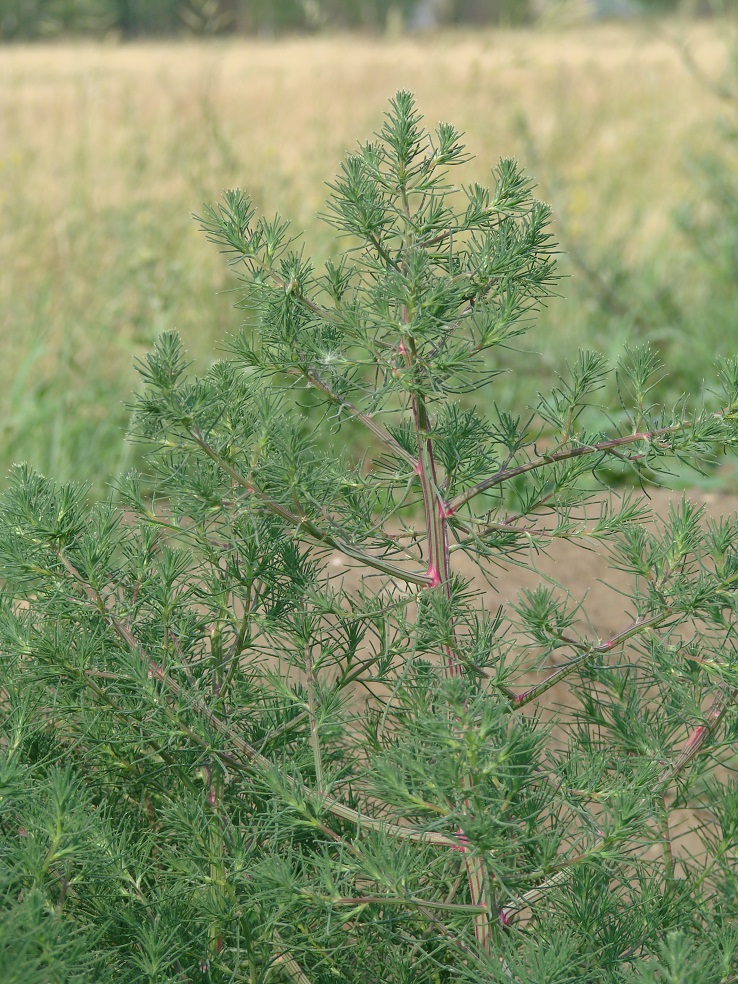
(265, 726)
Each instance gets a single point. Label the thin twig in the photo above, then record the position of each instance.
(312, 709)
(304, 522)
(588, 651)
(602, 447)
(691, 748)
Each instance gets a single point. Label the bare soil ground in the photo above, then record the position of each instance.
(585, 572)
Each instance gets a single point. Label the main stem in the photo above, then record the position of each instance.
(439, 573)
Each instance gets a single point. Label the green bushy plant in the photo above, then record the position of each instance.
(266, 727)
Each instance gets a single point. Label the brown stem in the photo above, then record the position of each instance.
(312, 709)
(713, 716)
(666, 841)
(406, 900)
(288, 963)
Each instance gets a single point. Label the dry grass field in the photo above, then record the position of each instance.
(105, 151)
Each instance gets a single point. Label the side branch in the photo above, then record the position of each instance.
(386, 438)
(714, 715)
(250, 759)
(602, 447)
(587, 651)
(304, 522)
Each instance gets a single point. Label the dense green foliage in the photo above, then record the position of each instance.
(260, 728)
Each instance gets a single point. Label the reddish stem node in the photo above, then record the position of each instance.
(695, 738)
(434, 575)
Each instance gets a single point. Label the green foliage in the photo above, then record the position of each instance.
(20, 18)
(263, 727)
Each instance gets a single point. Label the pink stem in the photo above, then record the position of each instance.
(437, 513)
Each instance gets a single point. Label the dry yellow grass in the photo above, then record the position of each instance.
(106, 150)
(159, 122)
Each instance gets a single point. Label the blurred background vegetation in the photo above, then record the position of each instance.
(108, 146)
(27, 19)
